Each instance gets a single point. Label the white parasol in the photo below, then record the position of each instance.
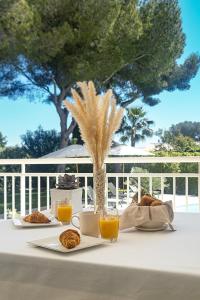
(81, 151)
(69, 151)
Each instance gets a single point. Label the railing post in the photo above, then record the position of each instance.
(23, 190)
(106, 188)
(127, 191)
(174, 192)
(186, 192)
(5, 197)
(86, 192)
(199, 184)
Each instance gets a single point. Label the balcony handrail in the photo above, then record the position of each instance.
(108, 174)
(111, 160)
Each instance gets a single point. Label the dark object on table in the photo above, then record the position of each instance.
(67, 182)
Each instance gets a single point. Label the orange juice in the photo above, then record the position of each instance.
(64, 213)
(109, 227)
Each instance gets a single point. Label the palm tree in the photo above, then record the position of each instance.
(135, 126)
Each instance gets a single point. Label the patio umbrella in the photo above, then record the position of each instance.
(124, 150)
(69, 151)
(81, 151)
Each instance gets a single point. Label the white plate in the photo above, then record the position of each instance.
(19, 222)
(163, 227)
(53, 243)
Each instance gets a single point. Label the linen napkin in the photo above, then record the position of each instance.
(135, 215)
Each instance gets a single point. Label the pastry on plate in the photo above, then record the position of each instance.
(70, 238)
(36, 217)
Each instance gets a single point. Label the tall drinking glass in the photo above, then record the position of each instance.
(109, 225)
(64, 211)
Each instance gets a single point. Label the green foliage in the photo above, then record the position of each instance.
(155, 67)
(132, 46)
(135, 126)
(178, 143)
(3, 141)
(69, 40)
(187, 128)
(184, 144)
(13, 152)
(40, 142)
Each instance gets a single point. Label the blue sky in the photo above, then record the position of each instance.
(16, 117)
(182, 105)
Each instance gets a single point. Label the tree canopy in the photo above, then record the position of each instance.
(3, 141)
(178, 143)
(46, 46)
(135, 126)
(13, 152)
(187, 128)
(40, 142)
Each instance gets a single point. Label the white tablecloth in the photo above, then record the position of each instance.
(140, 266)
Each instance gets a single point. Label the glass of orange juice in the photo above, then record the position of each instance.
(64, 211)
(109, 225)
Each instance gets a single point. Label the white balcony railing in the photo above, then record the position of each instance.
(24, 189)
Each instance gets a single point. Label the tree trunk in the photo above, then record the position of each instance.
(133, 138)
(64, 139)
(65, 131)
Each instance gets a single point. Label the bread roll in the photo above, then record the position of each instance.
(70, 238)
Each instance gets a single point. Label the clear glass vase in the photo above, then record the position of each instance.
(99, 176)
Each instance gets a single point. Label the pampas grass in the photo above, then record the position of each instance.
(98, 118)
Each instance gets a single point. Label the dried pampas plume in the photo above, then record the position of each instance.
(98, 118)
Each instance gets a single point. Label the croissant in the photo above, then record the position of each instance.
(36, 217)
(156, 203)
(146, 200)
(70, 238)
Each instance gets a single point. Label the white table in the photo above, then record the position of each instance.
(140, 266)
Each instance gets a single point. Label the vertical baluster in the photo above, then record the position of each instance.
(186, 192)
(39, 195)
(150, 186)
(13, 196)
(23, 190)
(48, 191)
(117, 191)
(199, 191)
(86, 192)
(106, 191)
(199, 184)
(127, 191)
(162, 187)
(174, 193)
(5, 197)
(30, 194)
(139, 189)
